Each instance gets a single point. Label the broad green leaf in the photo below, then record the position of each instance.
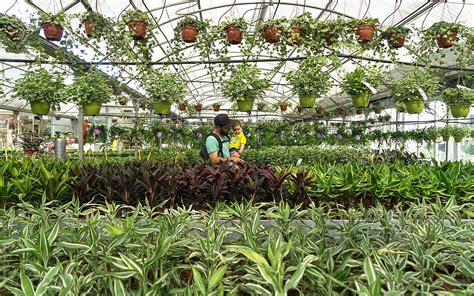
(132, 264)
(119, 289)
(67, 281)
(369, 271)
(216, 277)
(15, 291)
(199, 281)
(26, 285)
(53, 234)
(48, 278)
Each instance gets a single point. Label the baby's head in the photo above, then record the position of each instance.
(237, 127)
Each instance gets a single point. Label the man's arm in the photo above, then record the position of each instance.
(215, 159)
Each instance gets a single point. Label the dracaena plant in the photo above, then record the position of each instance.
(408, 87)
(90, 86)
(245, 82)
(453, 95)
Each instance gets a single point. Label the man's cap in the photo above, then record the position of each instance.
(222, 120)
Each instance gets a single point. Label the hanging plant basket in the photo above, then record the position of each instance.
(138, 29)
(53, 32)
(415, 107)
(182, 106)
(283, 107)
(459, 110)
(162, 107)
(365, 33)
(396, 40)
(245, 105)
(360, 110)
(189, 33)
(89, 27)
(341, 111)
(91, 109)
(198, 107)
(447, 39)
(377, 110)
(457, 139)
(216, 108)
(360, 100)
(320, 110)
(234, 34)
(123, 100)
(329, 38)
(299, 109)
(260, 107)
(40, 108)
(307, 100)
(271, 34)
(295, 36)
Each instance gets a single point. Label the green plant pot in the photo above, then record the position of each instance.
(162, 107)
(446, 139)
(307, 100)
(40, 108)
(415, 107)
(91, 109)
(460, 110)
(360, 100)
(457, 139)
(245, 105)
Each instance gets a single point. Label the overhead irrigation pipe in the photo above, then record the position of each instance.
(291, 59)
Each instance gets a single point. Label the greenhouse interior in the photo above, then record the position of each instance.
(251, 147)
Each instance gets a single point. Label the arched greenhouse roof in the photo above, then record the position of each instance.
(200, 72)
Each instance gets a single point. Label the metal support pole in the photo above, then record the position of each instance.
(80, 137)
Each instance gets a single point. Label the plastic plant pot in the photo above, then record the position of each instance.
(307, 100)
(162, 107)
(415, 107)
(53, 32)
(361, 100)
(245, 105)
(40, 108)
(460, 110)
(91, 109)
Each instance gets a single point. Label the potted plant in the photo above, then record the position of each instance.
(122, 100)
(42, 89)
(401, 107)
(409, 89)
(377, 108)
(330, 31)
(94, 23)
(234, 30)
(459, 133)
(271, 29)
(365, 29)
(244, 86)
(137, 22)
(459, 100)
(90, 90)
(310, 80)
(261, 106)
(283, 106)
(216, 107)
(299, 26)
(198, 107)
(320, 110)
(359, 110)
(164, 88)
(445, 33)
(341, 111)
(355, 84)
(396, 36)
(53, 25)
(433, 133)
(182, 105)
(446, 133)
(13, 33)
(189, 27)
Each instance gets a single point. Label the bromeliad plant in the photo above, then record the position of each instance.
(244, 86)
(164, 88)
(459, 100)
(90, 90)
(42, 89)
(409, 89)
(356, 84)
(311, 79)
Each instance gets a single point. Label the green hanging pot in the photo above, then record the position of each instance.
(360, 100)
(40, 107)
(415, 107)
(307, 100)
(92, 108)
(458, 139)
(460, 110)
(162, 107)
(245, 105)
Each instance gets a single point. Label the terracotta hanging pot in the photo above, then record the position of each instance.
(216, 108)
(89, 27)
(234, 34)
(360, 110)
(53, 32)
(138, 29)
(447, 39)
(341, 111)
(189, 33)
(283, 107)
(295, 36)
(271, 34)
(396, 40)
(198, 107)
(182, 106)
(329, 38)
(320, 110)
(299, 109)
(365, 33)
(377, 110)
